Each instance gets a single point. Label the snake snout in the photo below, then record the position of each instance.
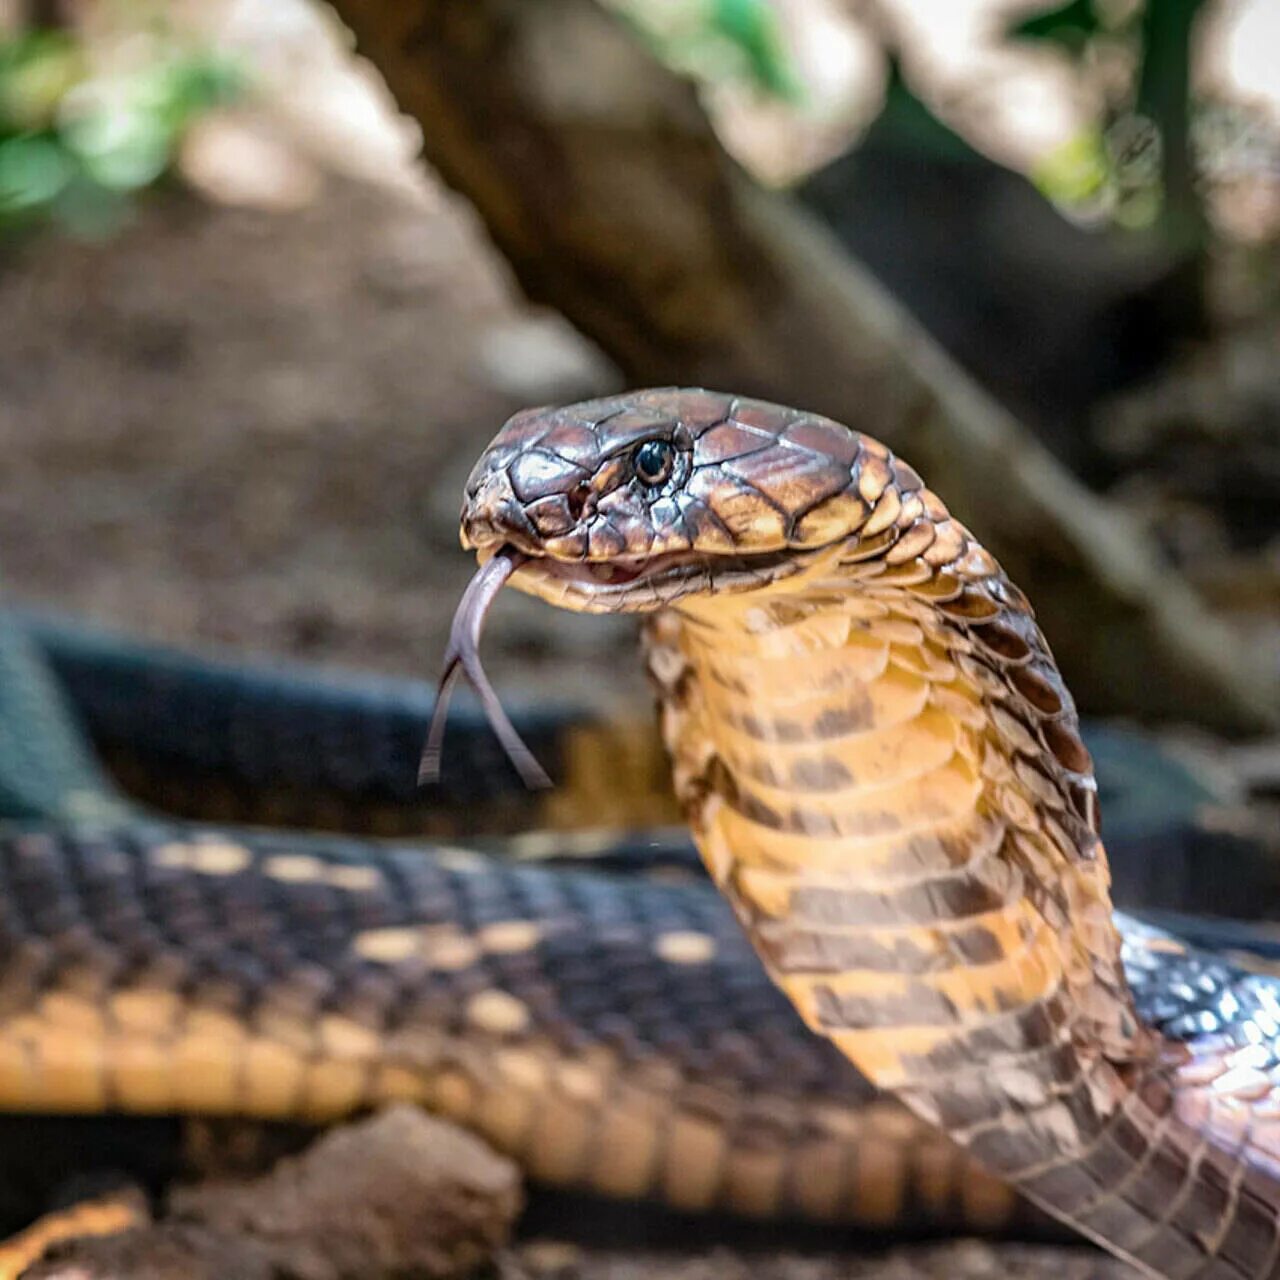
(493, 515)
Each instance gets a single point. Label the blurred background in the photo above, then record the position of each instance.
(273, 272)
(259, 312)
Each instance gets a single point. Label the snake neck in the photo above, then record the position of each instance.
(884, 774)
(883, 771)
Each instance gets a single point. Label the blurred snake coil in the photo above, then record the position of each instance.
(882, 770)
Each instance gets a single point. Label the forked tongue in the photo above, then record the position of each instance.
(462, 657)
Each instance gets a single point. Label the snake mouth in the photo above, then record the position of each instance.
(606, 585)
(644, 584)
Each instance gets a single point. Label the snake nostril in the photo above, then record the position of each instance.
(577, 499)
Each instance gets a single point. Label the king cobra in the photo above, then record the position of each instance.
(882, 770)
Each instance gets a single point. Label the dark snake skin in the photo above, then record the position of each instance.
(217, 739)
(130, 913)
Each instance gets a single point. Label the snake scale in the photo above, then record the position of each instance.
(883, 772)
(615, 1033)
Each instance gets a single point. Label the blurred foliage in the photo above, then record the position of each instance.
(78, 139)
(718, 40)
(1135, 166)
(1138, 165)
(905, 122)
(751, 26)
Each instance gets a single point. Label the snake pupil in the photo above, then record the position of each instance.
(654, 462)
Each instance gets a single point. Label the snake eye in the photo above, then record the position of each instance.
(654, 462)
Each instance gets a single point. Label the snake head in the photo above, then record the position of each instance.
(629, 503)
(635, 502)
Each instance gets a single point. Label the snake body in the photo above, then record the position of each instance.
(883, 771)
(614, 1034)
(615, 1037)
(190, 972)
(185, 973)
(219, 739)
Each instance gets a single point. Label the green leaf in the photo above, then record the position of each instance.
(34, 170)
(1074, 172)
(133, 154)
(74, 147)
(36, 69)
(752, 25)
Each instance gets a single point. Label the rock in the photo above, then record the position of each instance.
(402, 1194)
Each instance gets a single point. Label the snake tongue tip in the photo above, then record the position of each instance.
(462, 658)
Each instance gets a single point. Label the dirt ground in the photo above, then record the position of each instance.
(252, 429)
